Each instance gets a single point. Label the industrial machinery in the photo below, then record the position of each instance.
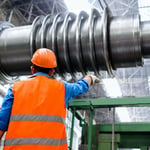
(81, 42)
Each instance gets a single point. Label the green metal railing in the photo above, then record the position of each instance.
(91, 104)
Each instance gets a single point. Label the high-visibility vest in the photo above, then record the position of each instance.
(38, 115)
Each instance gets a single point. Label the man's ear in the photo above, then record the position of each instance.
(51, 72)
(32, 69)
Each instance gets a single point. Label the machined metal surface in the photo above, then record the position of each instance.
(125, 42)
(82, 43)
(145, 39)
(15, 51)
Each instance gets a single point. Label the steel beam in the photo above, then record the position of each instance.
(110, 102)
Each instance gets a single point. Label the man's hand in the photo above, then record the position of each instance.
(92, 79)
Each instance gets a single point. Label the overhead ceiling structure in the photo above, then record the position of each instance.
(23, 12)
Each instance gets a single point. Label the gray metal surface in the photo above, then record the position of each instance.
(125, 42)
(15, 50)
(82, 43)
(145, 39)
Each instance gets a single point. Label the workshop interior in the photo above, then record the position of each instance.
(106, 38)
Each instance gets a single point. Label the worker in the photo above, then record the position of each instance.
(34, 110)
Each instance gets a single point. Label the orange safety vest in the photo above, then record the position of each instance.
(38, 115)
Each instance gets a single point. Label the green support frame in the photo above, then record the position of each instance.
(131, 135)
(125, 136)
(109, 102)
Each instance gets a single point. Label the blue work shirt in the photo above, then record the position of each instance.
(71, 90)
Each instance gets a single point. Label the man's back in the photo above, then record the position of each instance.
(41, 93)
(38, 115)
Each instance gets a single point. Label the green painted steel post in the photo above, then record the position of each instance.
(90, 129)
(72, 127)
(113, 129)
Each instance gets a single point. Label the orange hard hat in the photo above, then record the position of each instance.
(45, 58)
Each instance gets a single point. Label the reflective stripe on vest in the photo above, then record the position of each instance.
(37, 141)
(37, 118)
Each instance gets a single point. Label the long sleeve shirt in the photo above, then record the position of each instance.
(71, 90)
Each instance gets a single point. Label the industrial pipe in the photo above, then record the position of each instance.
(81, 43)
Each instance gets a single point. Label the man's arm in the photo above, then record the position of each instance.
(5, 111)
(88, 79)
(74, 89)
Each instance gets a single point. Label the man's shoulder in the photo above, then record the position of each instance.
(22, 81)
